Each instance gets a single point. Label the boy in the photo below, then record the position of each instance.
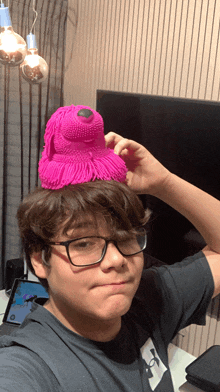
(107, 323)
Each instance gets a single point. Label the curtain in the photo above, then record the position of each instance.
(24, 112)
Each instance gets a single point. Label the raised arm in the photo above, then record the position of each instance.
(147, 175)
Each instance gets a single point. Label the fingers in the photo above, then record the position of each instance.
(112, 139)
(117, 142)
(125, 147)
(122, 147)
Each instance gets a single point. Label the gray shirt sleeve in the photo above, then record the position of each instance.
(21, 371)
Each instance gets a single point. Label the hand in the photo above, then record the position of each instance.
(145, 173)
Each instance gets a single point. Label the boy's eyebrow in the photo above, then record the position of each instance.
(84, 224)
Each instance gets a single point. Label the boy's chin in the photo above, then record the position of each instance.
(117, 309)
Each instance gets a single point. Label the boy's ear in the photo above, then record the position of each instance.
(41, 270)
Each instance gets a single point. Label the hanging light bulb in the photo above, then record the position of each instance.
(13, 47)
(34, 67)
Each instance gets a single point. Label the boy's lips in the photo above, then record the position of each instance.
(114, 284)
(122, 282)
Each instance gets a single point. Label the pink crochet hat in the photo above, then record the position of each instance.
(74, 150)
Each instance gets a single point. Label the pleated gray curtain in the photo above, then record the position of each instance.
(24, 111)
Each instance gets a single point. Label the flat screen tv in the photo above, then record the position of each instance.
(184, 135)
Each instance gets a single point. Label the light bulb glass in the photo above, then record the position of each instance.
(34, 67)
(32, 60)
(13, 47)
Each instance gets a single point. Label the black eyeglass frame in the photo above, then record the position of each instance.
(107, 241)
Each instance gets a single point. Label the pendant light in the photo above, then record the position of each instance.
(34, 67)
(13, 47)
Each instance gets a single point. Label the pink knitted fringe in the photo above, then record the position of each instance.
(55, 175)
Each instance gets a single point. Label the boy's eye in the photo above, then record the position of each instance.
(86, 244)
(83, 244)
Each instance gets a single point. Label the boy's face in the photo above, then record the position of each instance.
(97, 293)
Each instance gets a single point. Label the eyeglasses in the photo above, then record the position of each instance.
(90, 250)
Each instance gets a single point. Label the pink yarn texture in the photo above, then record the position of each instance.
(74, 150)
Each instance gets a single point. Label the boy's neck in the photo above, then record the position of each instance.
(100, 331)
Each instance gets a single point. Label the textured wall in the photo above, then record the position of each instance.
(147, 46)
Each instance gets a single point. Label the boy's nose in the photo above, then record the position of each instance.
(113, 258)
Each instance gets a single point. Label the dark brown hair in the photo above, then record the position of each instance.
(45, 213)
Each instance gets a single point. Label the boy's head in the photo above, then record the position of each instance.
(45, 215)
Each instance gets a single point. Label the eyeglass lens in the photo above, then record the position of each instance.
(89, 250)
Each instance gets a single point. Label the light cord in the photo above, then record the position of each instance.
(8, 3)
(34, 10)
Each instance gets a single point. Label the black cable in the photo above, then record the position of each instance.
(39, 132)
(49, 65)
(40, 29)
(30, 135)
(45, 30)
(63, 62)
(5, 165)
(22, 21)
(58, 39)
(21, 134)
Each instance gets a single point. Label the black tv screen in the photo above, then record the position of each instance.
(184, 135)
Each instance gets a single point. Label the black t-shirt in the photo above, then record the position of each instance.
(44, 355)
